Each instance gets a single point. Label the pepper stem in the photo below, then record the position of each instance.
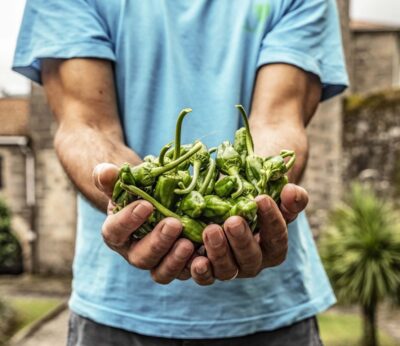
(163, 151)
(171, 165)
(291, 162)
(239, 190)
(249, 138)
(292, 155)
(178, 130)
(207, 179)
(134, 190)
(192, 185)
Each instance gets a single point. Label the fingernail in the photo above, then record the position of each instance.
(237, 229)
(96, 176)
(169, 230)
(297, 197)
(201, 269)
(264, 204)
(141, 211)
(215, 238)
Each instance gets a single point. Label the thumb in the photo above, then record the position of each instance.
(104, 177)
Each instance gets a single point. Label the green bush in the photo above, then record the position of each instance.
(10, 249)
(361, 253)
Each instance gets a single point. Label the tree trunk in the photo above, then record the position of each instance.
(369, 323)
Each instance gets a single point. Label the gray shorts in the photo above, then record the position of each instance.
(84, 332)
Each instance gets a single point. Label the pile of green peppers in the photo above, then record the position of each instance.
(200, 185)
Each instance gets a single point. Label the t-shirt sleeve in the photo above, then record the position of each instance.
(307, 35)
(59, 29)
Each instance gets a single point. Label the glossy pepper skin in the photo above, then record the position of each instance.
(229, 162)
(164, 189)
(192, 228)
(276, 166)
(207, 179)
(225, 186)
(199, 160)
(244, 207)
(146, 173)
(216, 209)
(253, 163)
(275, 188)
(239, 144)
(192, 204)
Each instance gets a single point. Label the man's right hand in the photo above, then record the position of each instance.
(161, 251)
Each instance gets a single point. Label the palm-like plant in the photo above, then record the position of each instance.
(361, 253)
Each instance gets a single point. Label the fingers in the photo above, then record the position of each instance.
(246, 250)
(273, 237)
(104, 177)
(149, 251)
(294, 199)
(173, 264)
(201, 271)
(118, 227)
(218, 252)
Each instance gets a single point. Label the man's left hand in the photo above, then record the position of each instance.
(234, 251)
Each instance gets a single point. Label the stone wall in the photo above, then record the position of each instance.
(371, 141)
(56, 198)
(322, 178)
(376, 61)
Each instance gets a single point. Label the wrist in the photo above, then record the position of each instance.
(270, 139)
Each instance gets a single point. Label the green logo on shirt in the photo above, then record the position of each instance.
(258, 17)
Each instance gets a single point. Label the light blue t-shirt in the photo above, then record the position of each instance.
(201, 54)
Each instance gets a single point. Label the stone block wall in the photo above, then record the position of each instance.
(371, 141)
(376, 61)
(322, 178)
(56, 198)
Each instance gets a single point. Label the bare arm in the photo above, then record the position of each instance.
(81, 94)
(284, 101)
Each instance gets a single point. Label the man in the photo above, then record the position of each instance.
(116, 74)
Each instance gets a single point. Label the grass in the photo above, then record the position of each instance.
(30, 309)
(346, 329)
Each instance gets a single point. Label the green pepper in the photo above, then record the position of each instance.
(161, 157)
(192, 204)
(117, 191)
(249, 190)
(225, 186)
(229, 162)
(216, 209)
(275, 188)
(199, 161)
(146, 173)
(276, 167)
(244, 207)
(151, 159)
(192, 229)
(239, 144)
(206, 181)
(253, 163)
(164, 189)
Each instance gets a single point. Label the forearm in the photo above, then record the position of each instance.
(81, 149)
(285, 99)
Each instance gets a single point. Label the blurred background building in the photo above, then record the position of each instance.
(351, 137)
